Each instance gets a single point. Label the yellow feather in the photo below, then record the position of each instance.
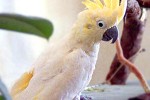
(121, 10)
(107, 3)
(114, 4)
(92, 5)
(99, 3)
(22, 83)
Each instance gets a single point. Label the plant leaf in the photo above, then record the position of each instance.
(30, 25)
(1, 98)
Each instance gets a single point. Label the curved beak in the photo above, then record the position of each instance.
(111, 34)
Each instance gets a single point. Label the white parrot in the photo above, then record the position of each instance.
(66, 67)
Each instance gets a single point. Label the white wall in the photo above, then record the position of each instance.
(18, 51)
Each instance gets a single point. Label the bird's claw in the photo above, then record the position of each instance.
(82, 97)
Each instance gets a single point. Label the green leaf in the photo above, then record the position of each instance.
(30, 25)
(1, 98)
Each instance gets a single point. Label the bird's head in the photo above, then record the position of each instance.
(99, 21)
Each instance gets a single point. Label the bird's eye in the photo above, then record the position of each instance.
(101, 24)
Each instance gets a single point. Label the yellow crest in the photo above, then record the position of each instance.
(113, 5)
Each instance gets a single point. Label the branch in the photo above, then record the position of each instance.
(144, 3)
(132, 67)
(132, 35)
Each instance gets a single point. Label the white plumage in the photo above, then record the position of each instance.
(62, 72)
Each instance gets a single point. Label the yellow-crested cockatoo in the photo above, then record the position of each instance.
(66, 67)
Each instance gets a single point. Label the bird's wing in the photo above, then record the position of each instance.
(74, 76)
(64, 75)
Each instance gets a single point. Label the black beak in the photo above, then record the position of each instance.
(111, 33)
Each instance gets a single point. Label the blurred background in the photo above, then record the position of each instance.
(19, 51)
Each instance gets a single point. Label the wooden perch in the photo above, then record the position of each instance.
(130, 42)
(144, 3)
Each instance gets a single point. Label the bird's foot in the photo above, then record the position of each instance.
(82, 97)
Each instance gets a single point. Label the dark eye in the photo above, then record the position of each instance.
(101, 24)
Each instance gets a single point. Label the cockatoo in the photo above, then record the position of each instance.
(66, 67)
